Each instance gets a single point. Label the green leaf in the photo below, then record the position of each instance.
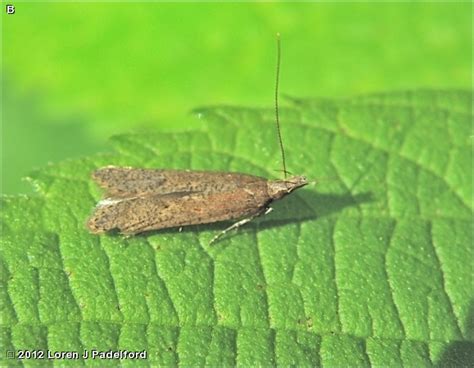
(371, 266)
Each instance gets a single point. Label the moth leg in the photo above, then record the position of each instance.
(240, 223)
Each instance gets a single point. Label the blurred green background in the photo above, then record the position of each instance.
(74, 74)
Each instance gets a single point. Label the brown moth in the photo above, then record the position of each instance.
(139, 200)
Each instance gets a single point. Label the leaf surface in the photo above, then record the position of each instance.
(371, 266)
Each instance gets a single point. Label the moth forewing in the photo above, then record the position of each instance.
(129, 181)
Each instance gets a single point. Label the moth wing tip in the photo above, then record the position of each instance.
(95, 224)
(93, 228)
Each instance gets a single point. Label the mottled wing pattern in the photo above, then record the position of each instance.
(155, 211)
(128, 182)
(123, 182)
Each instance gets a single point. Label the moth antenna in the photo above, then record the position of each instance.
(277, 112)
(286, 172)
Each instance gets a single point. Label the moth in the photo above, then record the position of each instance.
(138, 200)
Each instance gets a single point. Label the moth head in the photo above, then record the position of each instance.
(280, 188)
